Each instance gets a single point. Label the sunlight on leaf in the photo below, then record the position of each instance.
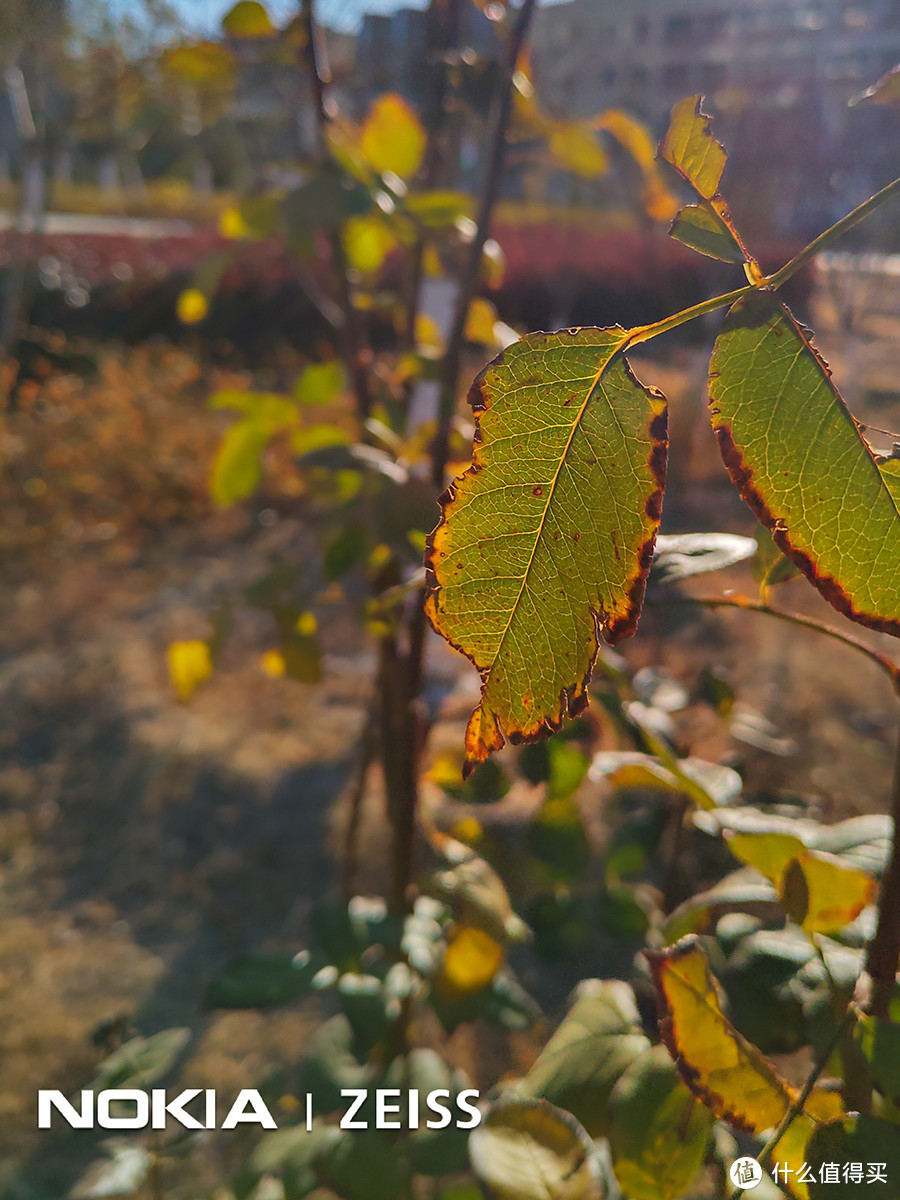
(471, 961)
(551, 530)
(190, 665)
(392, 137)
(528, 1150)
(658, 1132)
(367, 242)
(319, 383)
(798, 459)
(689, 146)
(717, 1063)
(822, 894)
(191, 306)
(248, 19)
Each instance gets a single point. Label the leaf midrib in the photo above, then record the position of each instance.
(576, 425)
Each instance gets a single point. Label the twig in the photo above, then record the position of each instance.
(490, 190)
(367, 750)
(354, 349)
(883, 954)
(890, 668)
(799, 1101)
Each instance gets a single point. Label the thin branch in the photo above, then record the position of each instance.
(644, 333)
(490, 190)
(884, 949)
(890, 668)
(824, 240)
(354, 350)
(802, 1096)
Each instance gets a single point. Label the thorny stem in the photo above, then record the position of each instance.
(354, 350)
(490, 190)
(884, 949)
(891, 669)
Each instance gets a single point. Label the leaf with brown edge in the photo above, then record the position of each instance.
(798, 458)
(548, 536)
(690, 147)
(719, 1065)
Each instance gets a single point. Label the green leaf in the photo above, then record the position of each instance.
(529, 1150)
(740, 890)
(142, 1061)
(122, 1173)
(879, 1043)
(864, 1140)
(556, 837)
(319, 383)
(797, 456)
(369, 1165)
(363, 1001)
(657, 1132)
(705, 231)
(550, 532)
(692, 150)
(392, 137)
(323, 204)
(599, 1038)
(331, 1065)
(237, 468)
(262, 981)
(291, 1154)
(699, 159)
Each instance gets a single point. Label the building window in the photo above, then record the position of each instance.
(675, 77)
(679, 29)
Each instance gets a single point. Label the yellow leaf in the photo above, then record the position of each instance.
(190, 664)
(191, 306)
(718, 1064)
(307, 625)
(392, 137)
(429, 338)
(367, 242)
(481, 321)
(471, 961)
(574, 146)
(823, 894)
(203, 64)
(232, 224)
(248, 19)
(635, 137)
(770, 853)
(272, 664)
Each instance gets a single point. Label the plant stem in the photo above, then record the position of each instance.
(884, 949)
(643, 333)
(891, 669)
(353, 347)
(824, 240)
(802, 1096)
(490, 190)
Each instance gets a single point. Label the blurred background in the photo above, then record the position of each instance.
(159, 250)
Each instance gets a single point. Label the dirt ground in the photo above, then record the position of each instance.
(144, 842)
